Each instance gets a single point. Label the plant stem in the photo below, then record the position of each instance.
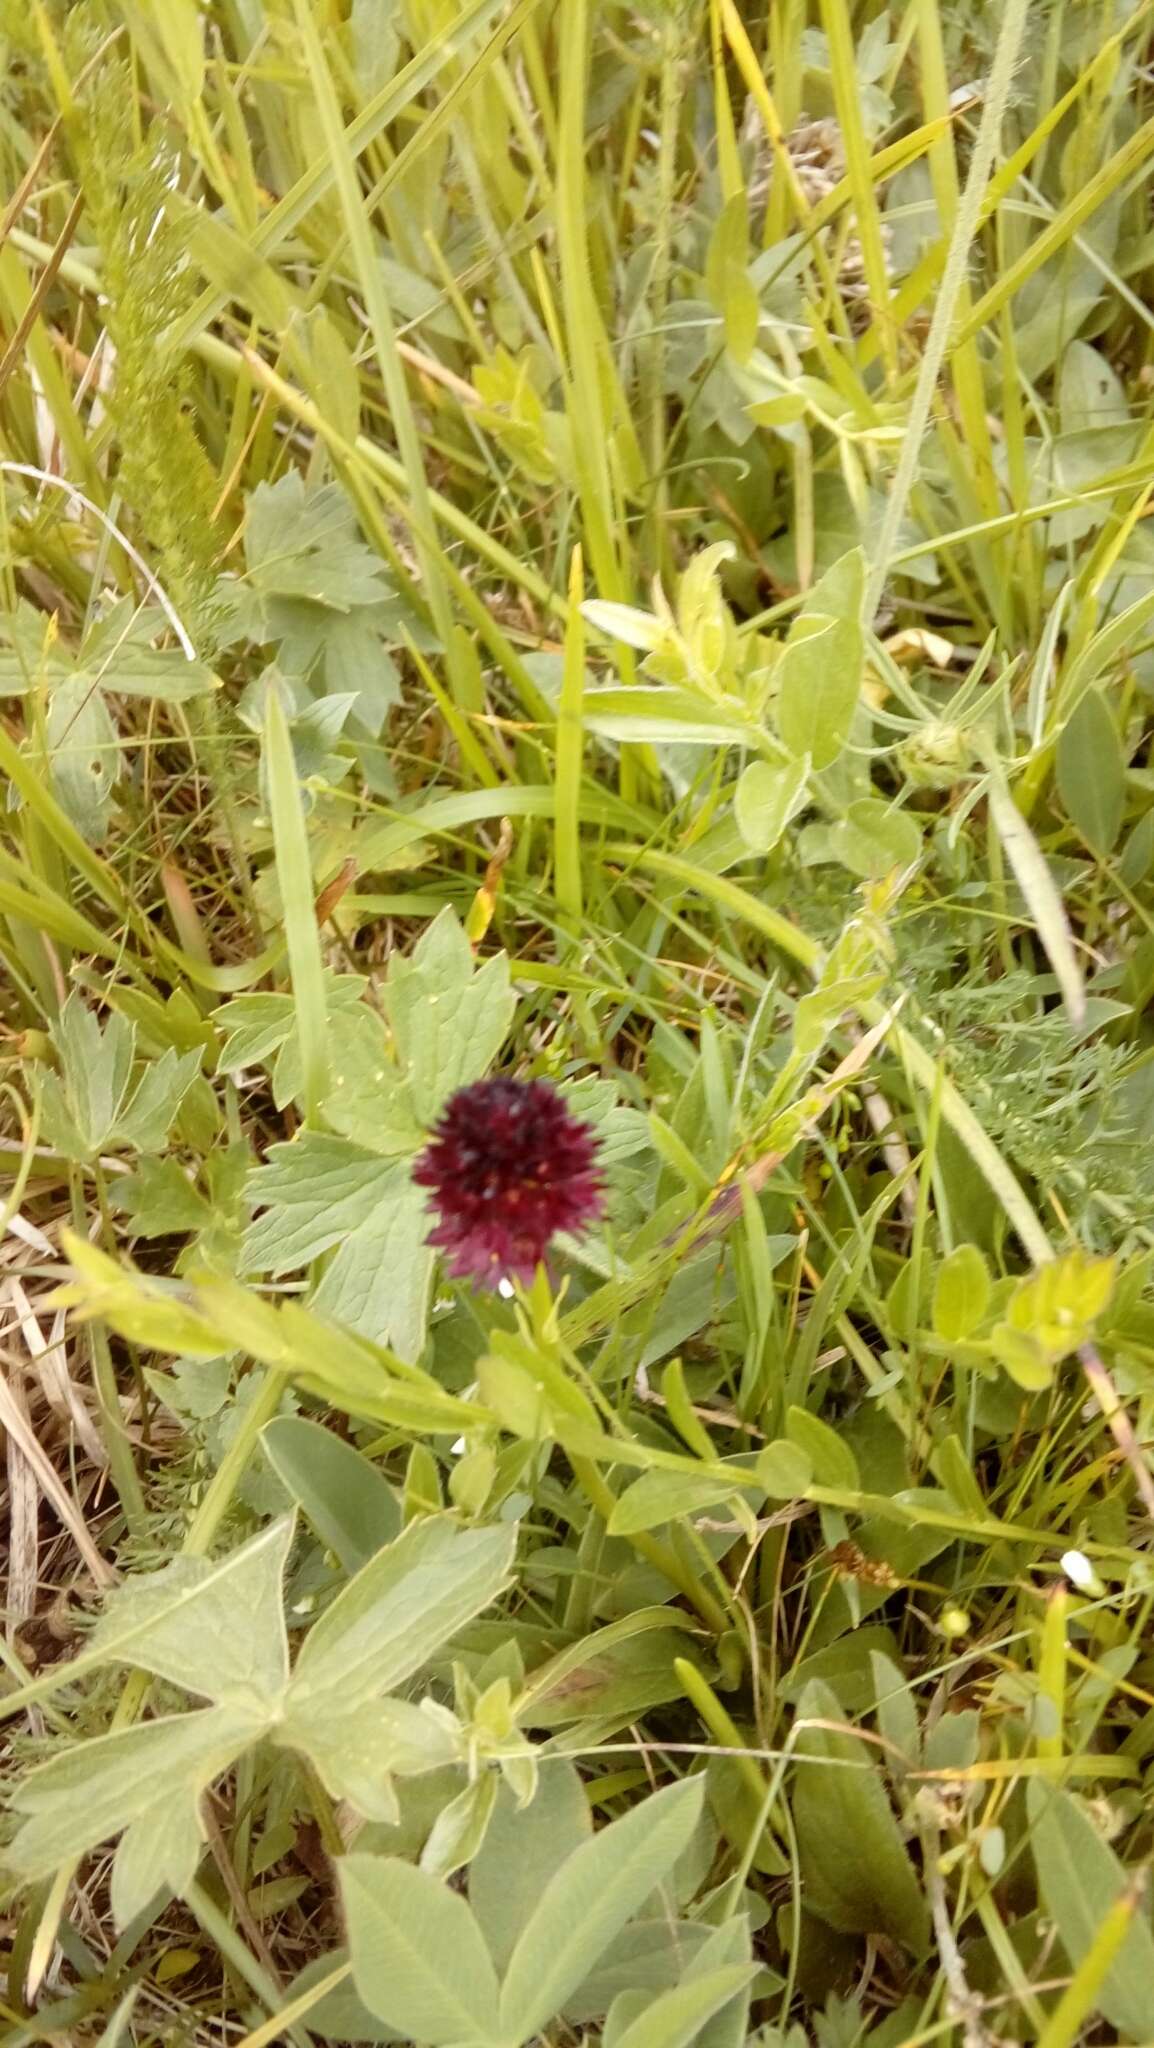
(655, 1553)
(657, 530)
(224, 1936)
(121, 1463)
(222, 1486)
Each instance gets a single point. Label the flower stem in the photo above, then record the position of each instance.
(222, 1486)
(658, 1554)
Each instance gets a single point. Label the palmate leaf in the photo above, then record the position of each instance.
(321, 1191)
(392, 1618)
(305, 544)
(77, 1800)
(95, 1071)
(216, 1629)
(94, 1104)
(314, 1192)
(159, 1198)
(359, 1747)
(149, 1114)
(399, 1610)
(312, 588)
(380, 1281)
(367, 1099)
(158, 1851)
(255, 1027)
(219, 1629)
(449, 1019)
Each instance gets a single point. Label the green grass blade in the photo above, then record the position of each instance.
(570, 748)
(965, 227)
(294, 874)
(371, 277)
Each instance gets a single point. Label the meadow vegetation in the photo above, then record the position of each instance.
(606, 543)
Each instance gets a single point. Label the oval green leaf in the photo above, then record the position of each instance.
(766, 799)
(961, 1294)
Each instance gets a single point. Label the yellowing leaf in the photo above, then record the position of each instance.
(140, 1308)
(1050, 1314)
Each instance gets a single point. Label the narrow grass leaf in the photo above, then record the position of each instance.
(294, 873)
(1040, 891)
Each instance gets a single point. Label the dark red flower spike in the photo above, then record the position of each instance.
(508, 1166)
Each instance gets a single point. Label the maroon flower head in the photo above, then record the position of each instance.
(508, 1166)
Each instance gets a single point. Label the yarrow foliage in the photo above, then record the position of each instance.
(508, 1166)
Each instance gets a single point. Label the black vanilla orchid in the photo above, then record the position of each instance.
(508, 1166)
